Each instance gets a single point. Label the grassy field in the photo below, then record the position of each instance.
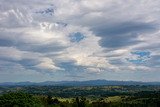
(114, 99)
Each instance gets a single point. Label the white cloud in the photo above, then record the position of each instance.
(48, 64)
(10, 53)
(112, 29)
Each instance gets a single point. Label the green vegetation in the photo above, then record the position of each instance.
(93, 96)
(19, 100)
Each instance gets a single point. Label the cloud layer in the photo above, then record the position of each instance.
(79, 39)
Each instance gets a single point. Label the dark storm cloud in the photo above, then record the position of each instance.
(154, 61)
(115, 35)
(46, 48)
(5, 42)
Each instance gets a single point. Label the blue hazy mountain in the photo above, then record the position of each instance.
(79, 83)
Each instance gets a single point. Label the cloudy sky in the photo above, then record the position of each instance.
(45, 40)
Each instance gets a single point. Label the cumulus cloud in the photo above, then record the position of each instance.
(80, 36)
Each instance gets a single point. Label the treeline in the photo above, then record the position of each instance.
(27, 100)
(86, 91)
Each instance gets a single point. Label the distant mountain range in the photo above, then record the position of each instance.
(79, 83)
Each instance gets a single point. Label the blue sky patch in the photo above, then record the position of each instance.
(135, 61)
(76, 37)
(142, 53)
(141, 57)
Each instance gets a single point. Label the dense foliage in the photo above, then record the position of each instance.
(103, 96)
(19, 100)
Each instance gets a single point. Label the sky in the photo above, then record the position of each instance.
(55, 40)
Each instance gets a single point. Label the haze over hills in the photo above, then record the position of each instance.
(79, 83)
